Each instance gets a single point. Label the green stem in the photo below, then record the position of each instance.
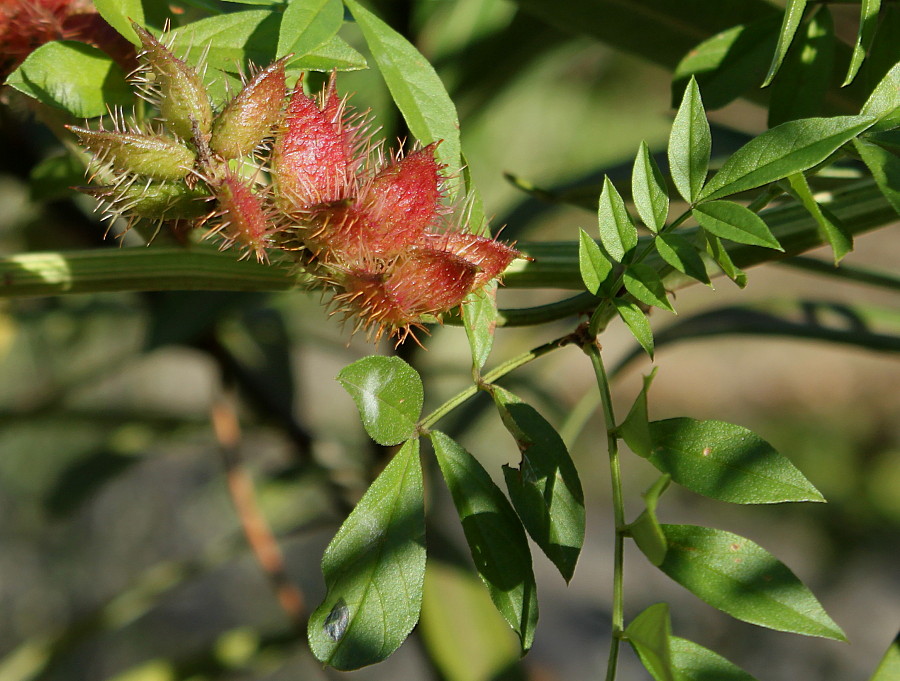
(618, 610)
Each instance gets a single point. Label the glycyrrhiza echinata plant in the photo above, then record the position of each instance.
(298, 176)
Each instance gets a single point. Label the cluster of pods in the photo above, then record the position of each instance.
(374, 229)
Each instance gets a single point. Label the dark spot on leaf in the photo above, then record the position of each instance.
(337, 621)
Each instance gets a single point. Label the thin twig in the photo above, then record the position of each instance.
(256, 529)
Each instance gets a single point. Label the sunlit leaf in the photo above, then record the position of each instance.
(649, 634)
(645, 284)
(830, 226)
(494, 534)
(120, 13)
(335, 54)
(689, 145)
(740, 578)
(479, 313)
(72, 76)
(617, 232)
(885, 168)
(648, 189)
(793, 13)
(374, 569)
(637, 323)
(718, 253)
(788, 148)
(868, 22)
(693, 662)
(884, 102)
(635, 429)
(307, 24)
(889, 667)
(682, 255)
(646, 530)
(389, 395)
(726, 462)
(593, 265)
(544, 489)
(735, 222)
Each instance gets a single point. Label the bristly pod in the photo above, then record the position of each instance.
(242, 218)
(491, 257)
(154, 156)
(252, 116)
(153, 200)
(176, 89)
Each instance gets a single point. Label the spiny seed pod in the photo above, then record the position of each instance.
(180, 95)
(242, 218)
(157, 157)
(490, 256)
(153, 200)
(252, 115)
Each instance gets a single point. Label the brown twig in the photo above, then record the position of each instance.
(259, 535)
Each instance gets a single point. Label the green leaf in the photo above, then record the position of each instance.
(635, 429)
(693, 662)
(637, 323)
(648, 189)
(229, 40)
(830, 226)
(868, 22)
(646, 530)
(726, 462)
(742, 579)
(793, 13)
(308, 24)
(649, 634)
(479, 313)
(388, 393)
(735, 222)
(374, 569)
(544, 489)
(889, 668)
(494, 534)
(335, 54)
(594, 266)
(120, 13)
(682, 255)
(645, 284)
(805, 76)
(884, 102)
(718, 253)
(617, 232)
(54, 177)
(788, 148)
(689, 144)
(728, 64)
(415, 86)
(885, 168)
(73, 76)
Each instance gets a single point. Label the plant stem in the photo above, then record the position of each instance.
(592, 350)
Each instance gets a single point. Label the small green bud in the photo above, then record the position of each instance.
(153, 156)
(183, 102)
(252, 115)
(154, 200)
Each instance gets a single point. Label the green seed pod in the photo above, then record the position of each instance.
(252, 115)
(156, 157)
(183, 102)
(154, 200)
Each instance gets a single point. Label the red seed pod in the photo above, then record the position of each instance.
(242, 219)
(179, 91)
(153, 156)
(252, 115)
(489, 256)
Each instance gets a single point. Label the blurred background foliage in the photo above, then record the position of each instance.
(122, 558)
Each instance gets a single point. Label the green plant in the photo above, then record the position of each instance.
(808, 180)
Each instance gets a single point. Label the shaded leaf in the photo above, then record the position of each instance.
(544, 489)
(649, 634)
(830, 227)
(374, 569)
(726, 462)
(868, 22)
(388, 393)
(415, 86)
(617, 232)
(885, 168)
(494, 534)
(718, 253)
(793, 13)
(78, 78)
(735, 222)
(635, 429)
(645, 284)
(693, 662)
(785, 149)
(479, 313)
(689, 144)
(307, 24)
(884, 102)
(648, 189)
(682, 255)
(595, 267)
(637, 323)
(54, 177)
(742, 579)
(646, 530)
